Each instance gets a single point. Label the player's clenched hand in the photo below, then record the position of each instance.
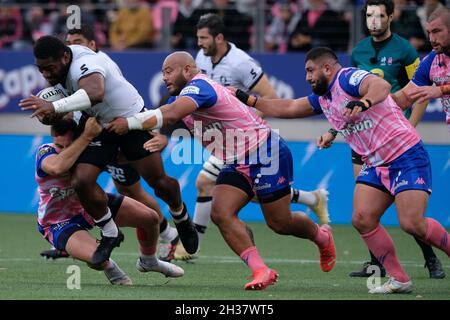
(92, 128)
(325, 140)
(39, 106)
(118, 125)
(425, 93)
(157, 143)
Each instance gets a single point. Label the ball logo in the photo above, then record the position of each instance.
(51, 94)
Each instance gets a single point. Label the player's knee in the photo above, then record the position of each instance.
(360, 222)
(218, 215)
(413, 227)
(204, 185)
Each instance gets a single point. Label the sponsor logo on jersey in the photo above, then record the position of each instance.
(190, 90)
(357, 127)
(357, 76)
(44, 150)
(95, 144)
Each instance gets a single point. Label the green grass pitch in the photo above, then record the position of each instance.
(217, 274)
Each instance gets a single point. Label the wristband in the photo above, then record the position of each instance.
(75, 102)
(244, 97)
(333, 132)
(445, 89)
(136, 122)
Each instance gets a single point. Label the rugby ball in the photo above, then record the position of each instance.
(51, 94)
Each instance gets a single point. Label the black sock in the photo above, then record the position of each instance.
(427, 250)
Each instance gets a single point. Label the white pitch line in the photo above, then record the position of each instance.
(232, 259)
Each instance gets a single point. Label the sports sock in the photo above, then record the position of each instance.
(202, 215)
(380, 243)
(144, 246)
(149, 259)
(179, 216)
(107, 225)
(304, 197)
(427, 250)
(322, 238)
(252, 259)
(437, 236)
(166, 231)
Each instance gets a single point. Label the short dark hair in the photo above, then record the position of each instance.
(320, 52)
(213, 22)
(86, 31)
(63, 126)
(443, 13)
(49, 46)
(388, 4)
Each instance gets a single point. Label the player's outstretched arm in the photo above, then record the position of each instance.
(278, 108)
(60, 163)
(167, 114)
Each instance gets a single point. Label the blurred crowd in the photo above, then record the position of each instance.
(291, 25)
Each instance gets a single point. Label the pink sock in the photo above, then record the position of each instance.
(437, 236)
(144, 245)
(322, 238)
(380, 243)
(252, 259)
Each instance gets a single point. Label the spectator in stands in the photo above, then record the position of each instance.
(11, 26)
(158, 19)
(237, 24)
(286, 18)
(407, 25)
(133, 26)
(319, 26)
(184, 34)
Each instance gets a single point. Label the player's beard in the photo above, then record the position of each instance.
(211, 51)
(178, 85)
(321, 86)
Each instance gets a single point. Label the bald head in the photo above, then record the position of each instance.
(178, 69)
(181, 58)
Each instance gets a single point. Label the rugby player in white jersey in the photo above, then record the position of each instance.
(97, 87)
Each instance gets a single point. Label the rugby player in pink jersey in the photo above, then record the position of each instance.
(63, 221)
(397, 168)
(260, 164)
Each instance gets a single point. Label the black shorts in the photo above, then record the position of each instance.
(356, 158)
(123, 174)
(104, 148)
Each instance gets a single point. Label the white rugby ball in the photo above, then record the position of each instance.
(51, 94)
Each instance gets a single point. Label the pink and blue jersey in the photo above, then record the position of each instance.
(58, 201)
(435, 68)
(380, 135)
(226, 127)
(235, 134)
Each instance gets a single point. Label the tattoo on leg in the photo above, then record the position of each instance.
(250, 233)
